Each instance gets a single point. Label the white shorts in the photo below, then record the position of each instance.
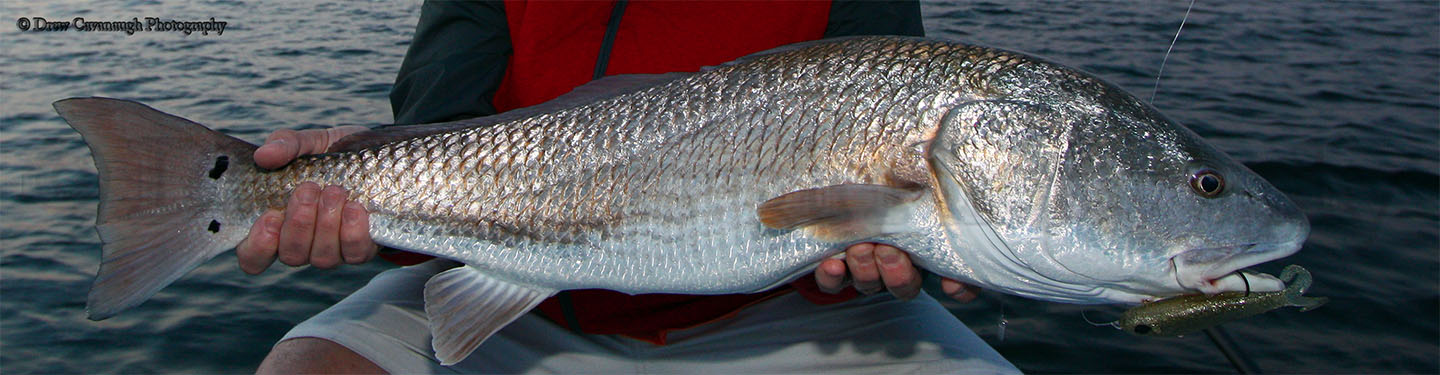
(386, 323)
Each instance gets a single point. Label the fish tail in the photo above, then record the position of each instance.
(160, 211)
(1297, 282)
(1306, 303)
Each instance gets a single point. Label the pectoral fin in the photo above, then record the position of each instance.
(466, 306)
(838, 212)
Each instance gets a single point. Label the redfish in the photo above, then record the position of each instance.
(991, 167)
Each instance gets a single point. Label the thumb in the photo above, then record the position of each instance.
(279, 149)
(285, 145)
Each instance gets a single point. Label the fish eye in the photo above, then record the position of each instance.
(1142, 329)
(1207, 183)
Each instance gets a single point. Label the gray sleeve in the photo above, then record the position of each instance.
(455, 63)
(862, 17)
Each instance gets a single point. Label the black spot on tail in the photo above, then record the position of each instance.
(221, 164)
(214, 225)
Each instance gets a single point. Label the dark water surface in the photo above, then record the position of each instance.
(1337, 104)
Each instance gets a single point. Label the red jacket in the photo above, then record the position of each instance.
(555, 46)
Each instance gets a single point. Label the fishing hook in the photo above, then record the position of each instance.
(1246, 280)
(1114, 324)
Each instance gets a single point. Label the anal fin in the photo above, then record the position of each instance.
(466, 306)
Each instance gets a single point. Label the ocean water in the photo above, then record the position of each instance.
(1337, 104)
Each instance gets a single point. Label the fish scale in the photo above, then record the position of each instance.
(989, 167)
(549, 203)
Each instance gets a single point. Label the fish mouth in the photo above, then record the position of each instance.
(1212, 270)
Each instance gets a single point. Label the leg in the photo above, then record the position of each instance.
(309, 355)
(377, 329)
(383, 328)
(876, 334)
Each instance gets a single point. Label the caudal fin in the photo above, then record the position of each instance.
(159, 212)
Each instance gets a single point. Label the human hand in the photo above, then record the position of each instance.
(873, 266)
(318, 226)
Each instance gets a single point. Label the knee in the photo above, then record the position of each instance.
(309, 355)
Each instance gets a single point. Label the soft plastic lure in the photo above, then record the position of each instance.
(1193, 313)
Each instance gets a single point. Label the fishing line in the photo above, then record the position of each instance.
(1222, 341)
(1226, 345)
(1000, 330)
(1167, 51)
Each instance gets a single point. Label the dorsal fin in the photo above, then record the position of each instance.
(597, 90)
(790, 47)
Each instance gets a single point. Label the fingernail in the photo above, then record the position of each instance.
(305, 196)
(888, 255)
(863, 258)
(353, 210)
(332, 200)
(272, 224)
(274, 143)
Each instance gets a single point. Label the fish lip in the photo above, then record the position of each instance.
(1212, 269)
